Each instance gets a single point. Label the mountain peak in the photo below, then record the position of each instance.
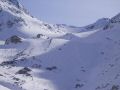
(15, 3)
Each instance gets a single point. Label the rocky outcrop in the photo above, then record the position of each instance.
(13, 39)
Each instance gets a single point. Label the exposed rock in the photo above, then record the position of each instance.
(39, 35)
(79, 85)
(116, 18)
(115, 87)
(13, 39)
(7, 63)
(24, 71)
(51, 68)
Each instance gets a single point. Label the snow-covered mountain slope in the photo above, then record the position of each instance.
(101, 23)
(35, 55)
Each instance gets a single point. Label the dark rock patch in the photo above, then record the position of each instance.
(51, 68)
(24, 71)
(13, 39)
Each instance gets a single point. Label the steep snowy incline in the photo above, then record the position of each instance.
(38, 56)
(86, 61)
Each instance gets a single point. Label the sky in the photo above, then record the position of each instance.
(72, 12)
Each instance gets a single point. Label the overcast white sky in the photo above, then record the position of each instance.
(72, 12)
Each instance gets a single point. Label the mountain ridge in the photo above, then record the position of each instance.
(35, 55)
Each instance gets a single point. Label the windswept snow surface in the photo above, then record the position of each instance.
(57, 57)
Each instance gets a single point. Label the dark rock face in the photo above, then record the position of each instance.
(51, 68)
(8, 63)
(39, 35)
(14, 39)
(24, 71)
(115, 87)
(116, 18)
